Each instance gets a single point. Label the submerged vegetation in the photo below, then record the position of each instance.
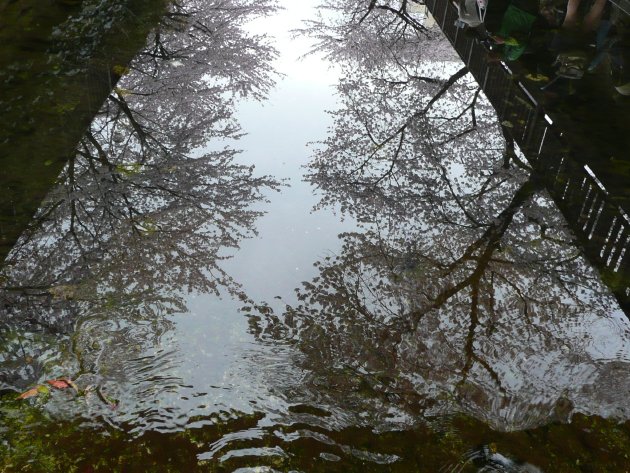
(40, 442)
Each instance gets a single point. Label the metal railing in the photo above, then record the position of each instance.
(601, 226)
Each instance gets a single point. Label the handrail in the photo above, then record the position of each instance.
(600, 225)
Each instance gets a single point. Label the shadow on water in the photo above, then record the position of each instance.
(59, 61)
(458, 328)
(311, 444)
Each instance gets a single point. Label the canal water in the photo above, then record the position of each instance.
(256, 262)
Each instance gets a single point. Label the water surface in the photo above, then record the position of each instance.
(331, 309)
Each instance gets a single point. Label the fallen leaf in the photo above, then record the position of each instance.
(60, 383)
(30, 393)
(63, 292)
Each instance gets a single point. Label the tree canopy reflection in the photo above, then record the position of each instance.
(464, 291)
(147, 207)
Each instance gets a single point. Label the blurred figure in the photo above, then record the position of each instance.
(575, 32)
(516, 28)
(591, 19)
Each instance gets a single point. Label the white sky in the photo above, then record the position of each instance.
(310, 69)
(291, 237)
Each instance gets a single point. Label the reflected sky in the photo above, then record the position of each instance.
(220, 351)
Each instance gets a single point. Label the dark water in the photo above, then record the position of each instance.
(403, 295)
(59, 60)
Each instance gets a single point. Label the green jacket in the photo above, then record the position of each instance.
(515, 29)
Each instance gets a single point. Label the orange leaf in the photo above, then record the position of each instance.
(30, 393)
(61, 383)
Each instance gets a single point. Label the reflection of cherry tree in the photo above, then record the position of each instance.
(196, 63)
(465, 290)
(381, 128)
(506, 330)
(140, 207)
(395, 105)
(148, 205)
(373, 33)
